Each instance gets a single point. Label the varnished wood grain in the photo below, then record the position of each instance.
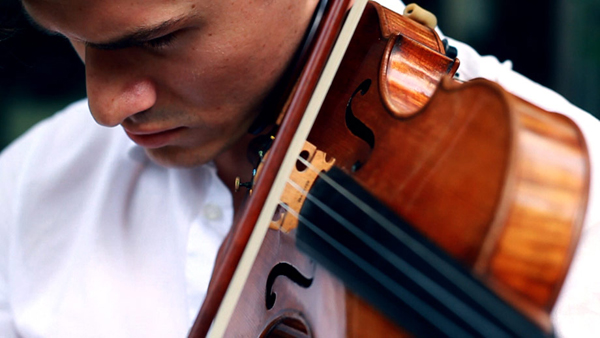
(325, 298)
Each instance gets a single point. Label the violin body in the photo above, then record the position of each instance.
(497, 183)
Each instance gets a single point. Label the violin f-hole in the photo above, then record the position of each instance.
(356, 126)
(288, 270)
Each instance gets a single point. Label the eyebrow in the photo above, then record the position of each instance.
(139, 36)
(134, 38)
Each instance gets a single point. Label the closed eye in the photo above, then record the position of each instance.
(160, 42)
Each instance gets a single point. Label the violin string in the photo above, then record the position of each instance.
(474, 319)
(473, 290)
(425, 310)
(469, 287)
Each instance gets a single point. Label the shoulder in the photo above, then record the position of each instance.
(68, 133)
(58, 152)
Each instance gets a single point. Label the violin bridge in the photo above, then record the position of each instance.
(303, 177)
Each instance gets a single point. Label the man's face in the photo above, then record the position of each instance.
(184, 78)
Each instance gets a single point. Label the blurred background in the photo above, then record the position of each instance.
(553, 42)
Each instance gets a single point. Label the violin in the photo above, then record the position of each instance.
(398, 201)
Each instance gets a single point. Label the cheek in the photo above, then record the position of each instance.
(225, 75)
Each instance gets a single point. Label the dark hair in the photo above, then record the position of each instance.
(5, 33)
(11, 13)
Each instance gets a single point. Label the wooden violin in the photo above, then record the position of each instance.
(421, 205)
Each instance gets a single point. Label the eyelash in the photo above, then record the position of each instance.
(161, 42)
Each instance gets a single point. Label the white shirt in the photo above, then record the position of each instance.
(97, 241)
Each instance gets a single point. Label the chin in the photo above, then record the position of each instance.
(175, 157)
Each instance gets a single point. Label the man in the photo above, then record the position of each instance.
(110, 232)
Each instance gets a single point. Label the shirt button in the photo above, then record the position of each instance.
(212, 212)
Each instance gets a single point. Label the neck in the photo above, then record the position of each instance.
(234, 163)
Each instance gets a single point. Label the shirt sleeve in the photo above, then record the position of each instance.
(6, 320)
(7, 198)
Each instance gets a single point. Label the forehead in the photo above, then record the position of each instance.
(99, 20)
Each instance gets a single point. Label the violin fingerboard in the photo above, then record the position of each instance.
(387, 262)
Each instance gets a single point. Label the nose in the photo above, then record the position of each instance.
(117, 85)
